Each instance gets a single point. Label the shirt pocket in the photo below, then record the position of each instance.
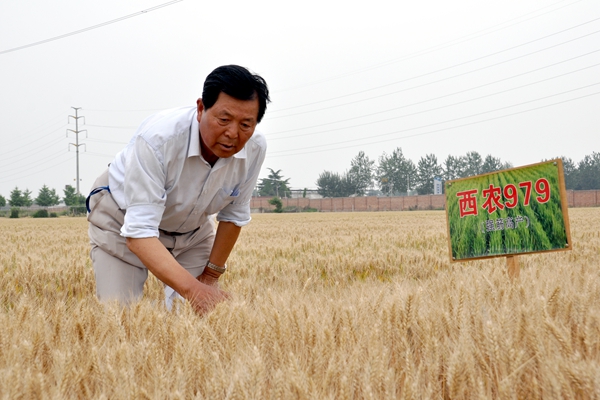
(221, 200)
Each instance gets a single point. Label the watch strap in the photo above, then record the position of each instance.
(216, 268)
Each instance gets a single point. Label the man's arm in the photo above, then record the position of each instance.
(163, 265)
(225, 238)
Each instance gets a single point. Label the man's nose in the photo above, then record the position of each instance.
(232, 131)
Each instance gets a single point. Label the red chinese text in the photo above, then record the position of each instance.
(467, 203)
(496, 197)
(492, 196)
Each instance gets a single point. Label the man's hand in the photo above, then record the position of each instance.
(203, 297)
(209, 277)
(207, 296)
(205, 300)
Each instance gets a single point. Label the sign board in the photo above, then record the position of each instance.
(437, 185)
(504, 213)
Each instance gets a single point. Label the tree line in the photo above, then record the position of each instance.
(46, 198)
(392, 175)
(396, 175)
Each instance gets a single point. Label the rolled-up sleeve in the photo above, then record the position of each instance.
(144, 190)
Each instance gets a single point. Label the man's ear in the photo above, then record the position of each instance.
(200, 105)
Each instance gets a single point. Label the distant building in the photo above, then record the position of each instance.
(310, 194)
(437, 185)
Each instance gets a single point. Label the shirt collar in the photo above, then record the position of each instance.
(194, 147)
(241, 153)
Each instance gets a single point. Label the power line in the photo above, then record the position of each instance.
(442, 122)
(148, 110)
(43, 146)
(33, 139)
(23, 156)
(41, 163)
(91, 153)
(435, 48)
(450, 67)
(434, 131)
(106, 141)
(37, 172)
(426, 101)
(89, 28)
(439, 80)
(112, 126)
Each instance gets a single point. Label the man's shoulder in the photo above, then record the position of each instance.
(164, 125)
(258, 138)
(169, 119)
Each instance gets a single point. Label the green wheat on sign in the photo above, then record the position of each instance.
(515, 211)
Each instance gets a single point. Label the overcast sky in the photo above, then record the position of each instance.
(517, 79)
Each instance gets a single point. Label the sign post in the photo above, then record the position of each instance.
(512, 265)
(507, 213)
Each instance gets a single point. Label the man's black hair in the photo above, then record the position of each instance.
(237, 82)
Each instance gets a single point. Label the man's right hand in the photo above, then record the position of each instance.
(204, 297)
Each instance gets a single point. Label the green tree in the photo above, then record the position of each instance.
(327, 183)
(473, 164)
(16, 198)
(570, 172)
(47, 197)
(395, 173)
(2, 201)
(453, 167)
(274, 185)
(361, 174)
(27, 200)
(588, 172)
(491, 164)
(427, 169)
(332, 184)
(71, 198)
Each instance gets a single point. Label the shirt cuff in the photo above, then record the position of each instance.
(142, 221)
(239, 214)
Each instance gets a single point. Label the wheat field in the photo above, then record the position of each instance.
(324, 306)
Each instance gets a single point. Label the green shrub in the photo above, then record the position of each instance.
(40, 214)
(53, 215)
(276, 201)
(77, 210)
(14, 212)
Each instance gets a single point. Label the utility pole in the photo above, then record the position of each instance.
(76, 144)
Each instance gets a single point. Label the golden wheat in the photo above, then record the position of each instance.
(325, 306)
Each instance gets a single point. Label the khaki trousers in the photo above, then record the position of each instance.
(120, 275)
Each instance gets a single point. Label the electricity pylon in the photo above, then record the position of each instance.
(76, 144)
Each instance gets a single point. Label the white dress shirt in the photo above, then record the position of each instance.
(162, 181)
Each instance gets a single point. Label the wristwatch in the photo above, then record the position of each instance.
(216, 267)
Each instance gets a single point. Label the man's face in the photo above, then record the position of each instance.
(226, 126)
